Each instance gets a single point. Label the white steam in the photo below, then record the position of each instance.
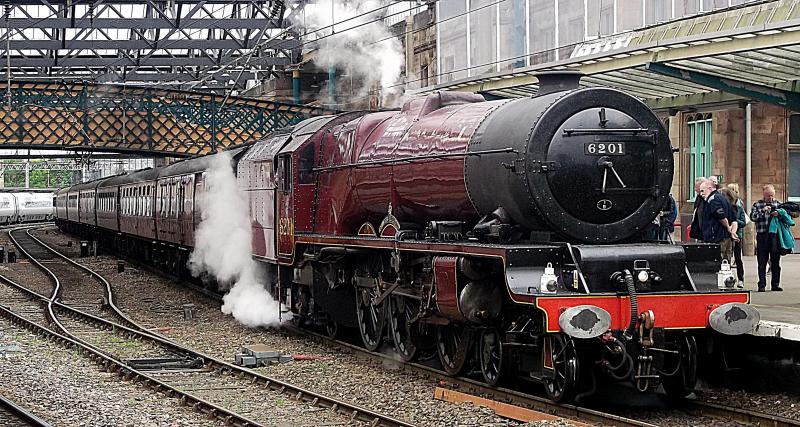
(362, 46)
(223, 247)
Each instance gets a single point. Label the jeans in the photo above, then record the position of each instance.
(737, 254)
(764, 254)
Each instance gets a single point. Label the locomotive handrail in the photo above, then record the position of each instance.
(601, 131)
(414, 158)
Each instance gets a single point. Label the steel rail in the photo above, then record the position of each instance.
(512, 396)
(501, 394)
(113, 364)
(21, 413)
(577, 413)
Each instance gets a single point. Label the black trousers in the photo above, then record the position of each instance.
(764, 253)
(737, 255)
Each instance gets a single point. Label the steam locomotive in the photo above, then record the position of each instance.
(505, 236)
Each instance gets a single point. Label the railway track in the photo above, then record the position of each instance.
(578, 413)
(121, 346)
(532, 401)
(13, 415)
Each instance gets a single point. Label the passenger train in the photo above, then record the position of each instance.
(17, 207)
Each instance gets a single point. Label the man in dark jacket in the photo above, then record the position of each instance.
(718, 219)
(696, 231)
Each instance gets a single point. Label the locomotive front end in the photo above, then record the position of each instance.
(593, 165)
(591, 170)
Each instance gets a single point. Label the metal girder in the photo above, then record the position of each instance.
(145, 44)
(143, 23)
(116, 62)
(181, 40)
(763, 93)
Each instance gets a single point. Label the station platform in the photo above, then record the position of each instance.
(780, 311)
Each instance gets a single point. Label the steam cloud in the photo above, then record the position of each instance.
(223, 247)
(357, 45)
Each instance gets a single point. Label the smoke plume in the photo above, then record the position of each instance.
(223, 247)
(362, 46)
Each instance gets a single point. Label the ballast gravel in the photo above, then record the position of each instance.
(66, 389)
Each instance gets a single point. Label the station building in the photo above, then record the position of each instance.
(722, 74)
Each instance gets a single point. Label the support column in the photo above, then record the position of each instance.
(748, 248)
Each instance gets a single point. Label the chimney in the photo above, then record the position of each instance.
(557, 81)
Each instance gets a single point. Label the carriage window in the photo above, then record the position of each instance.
(285, 173)
(181, 194)
(306, 164)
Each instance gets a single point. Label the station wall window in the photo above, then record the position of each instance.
(629, 14)
(542, 22)
(571, 26)
(482, 36)
(700, 149)
(793, 189)
(512, 35)
(686, 7)
(656, 11)
(599, 18)
(452, 34)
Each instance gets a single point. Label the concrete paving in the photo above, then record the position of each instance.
(780, 311)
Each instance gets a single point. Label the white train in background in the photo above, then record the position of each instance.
(25, 207)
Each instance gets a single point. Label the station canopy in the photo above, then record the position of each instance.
(750, 52)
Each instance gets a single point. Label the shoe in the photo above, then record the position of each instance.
(740, 284)
(762, 289)
(777, 289)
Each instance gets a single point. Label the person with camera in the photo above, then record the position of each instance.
(761, 214)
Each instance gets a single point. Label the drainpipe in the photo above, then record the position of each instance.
(748, 152)
(332, 86)
(296, 86)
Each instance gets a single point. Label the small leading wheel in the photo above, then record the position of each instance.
(490, 356)
(561, 359)
(681, 382)
(401, 311)
(452, 345)
(371, 317)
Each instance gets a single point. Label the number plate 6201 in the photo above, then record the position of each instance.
(604, 149)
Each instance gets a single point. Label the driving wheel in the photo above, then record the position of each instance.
(452, 345)
(371, 317)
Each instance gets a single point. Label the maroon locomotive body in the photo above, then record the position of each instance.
(505, 235)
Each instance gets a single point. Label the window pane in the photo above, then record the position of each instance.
(794, 129)
(453, 39)
(543, 31)
(512, 34)
(600, 18)
(714, 4)
(570, 26)
(686, 7)
(709, 147)
(483, 36)
(657, 11)
(794, 174)
(629, 14)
